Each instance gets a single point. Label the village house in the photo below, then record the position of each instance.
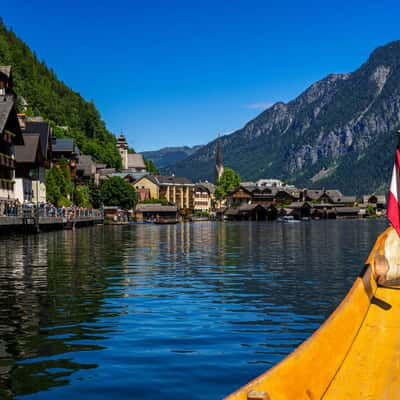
(378, 201)
(145, 184)
(66, 148)
(32, 159)
(202, 201)
(10, 134)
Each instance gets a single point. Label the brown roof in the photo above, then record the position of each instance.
(299, 204)
(27, 152)
(136, 161)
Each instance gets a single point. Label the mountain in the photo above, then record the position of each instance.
(69, 114)
(170, 155)
(340, 132)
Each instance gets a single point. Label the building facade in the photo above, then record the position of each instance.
(178, 191)
(202, 201)
(10, 134)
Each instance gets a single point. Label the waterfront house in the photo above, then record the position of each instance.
(377, 201)
(202, 198)
(33, 158)
(145, 184)
(239, 196)
(284, 196)
(147, 187)
(10, 134)
(153, 212)
(298, 209)
(251, 212)
(29, 161)
(177, 190)
(331, 196)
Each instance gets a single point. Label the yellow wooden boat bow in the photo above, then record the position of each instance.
(355, 354)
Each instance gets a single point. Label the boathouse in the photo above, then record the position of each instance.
(153, 212)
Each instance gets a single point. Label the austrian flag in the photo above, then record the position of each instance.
(393, 208)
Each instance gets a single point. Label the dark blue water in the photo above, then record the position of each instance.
(191, 311)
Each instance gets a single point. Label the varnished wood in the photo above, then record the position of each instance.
(354, 355)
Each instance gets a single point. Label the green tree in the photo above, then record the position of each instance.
(229, 181)
(59, 184)
(82, 196)
(68, 112)
(117, 192)
(150, 166)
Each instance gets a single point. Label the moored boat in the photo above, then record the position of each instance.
(165, 221)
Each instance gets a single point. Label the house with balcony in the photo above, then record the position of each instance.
(66, 148)
(202, 201)
(10, 134)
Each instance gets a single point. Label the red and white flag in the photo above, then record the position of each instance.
(393, 209)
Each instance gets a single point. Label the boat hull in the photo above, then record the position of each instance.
(339, 360)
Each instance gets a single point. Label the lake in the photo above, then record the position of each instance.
(190, 311)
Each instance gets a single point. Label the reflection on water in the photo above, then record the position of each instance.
(189, 311)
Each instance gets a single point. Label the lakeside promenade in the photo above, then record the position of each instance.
(33, 219)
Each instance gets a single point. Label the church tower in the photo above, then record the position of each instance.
(219, 167)
(122, 147)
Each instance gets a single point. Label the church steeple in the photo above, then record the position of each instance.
(122, 147)
(219, 167)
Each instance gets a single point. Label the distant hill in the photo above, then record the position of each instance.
(170, 155)
(340, 133)
(52, 99)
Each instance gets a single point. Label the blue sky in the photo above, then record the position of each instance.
(171, 73)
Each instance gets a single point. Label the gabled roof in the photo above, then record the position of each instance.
(8, 115)
(44, 130)
(348, 199)
(65, 145)
(150, 177)
(381, 198)
(6, 107)
(136, 161)
(299, 204)
(27, 152)
(210, 186)
(5, 70)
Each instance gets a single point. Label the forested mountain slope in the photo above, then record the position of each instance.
(52, 99)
